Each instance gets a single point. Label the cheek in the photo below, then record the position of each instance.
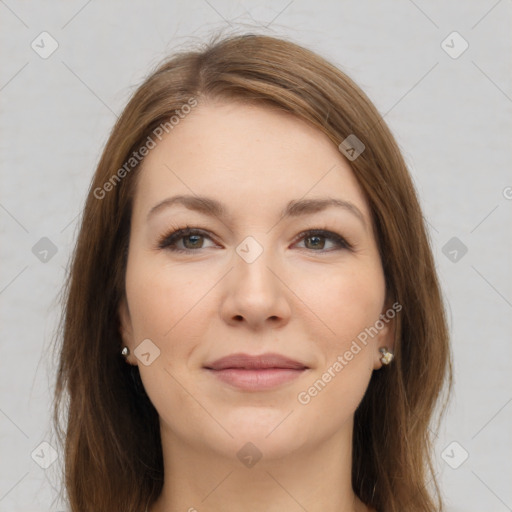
(333, 400)
(165, 307)
(345, 300)
(165, 304)
(347, 305)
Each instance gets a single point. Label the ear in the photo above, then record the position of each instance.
(386, 325)
(126, 329)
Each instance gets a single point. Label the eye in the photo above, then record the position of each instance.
(317, 239)
(187, 240)
(184, 240)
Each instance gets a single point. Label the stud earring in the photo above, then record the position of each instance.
(125, 352)
(387, 356)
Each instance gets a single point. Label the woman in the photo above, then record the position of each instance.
(253, 317)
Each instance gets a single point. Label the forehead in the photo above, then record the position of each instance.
(246, 155)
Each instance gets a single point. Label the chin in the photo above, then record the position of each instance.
(275, 432)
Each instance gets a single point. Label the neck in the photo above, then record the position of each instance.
(202, 479)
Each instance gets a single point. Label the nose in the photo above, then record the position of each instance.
(255, 294)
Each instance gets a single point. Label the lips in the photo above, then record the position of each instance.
(256, 362)
(265, 372)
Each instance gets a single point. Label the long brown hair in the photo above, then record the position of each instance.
(111, 439)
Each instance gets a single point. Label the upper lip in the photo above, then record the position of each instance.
(262, 361)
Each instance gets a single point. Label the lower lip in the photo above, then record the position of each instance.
(257, 380)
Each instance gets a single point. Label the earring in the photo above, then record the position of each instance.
(387, 356)
(125, 352)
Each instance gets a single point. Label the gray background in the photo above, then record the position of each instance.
(451, 117)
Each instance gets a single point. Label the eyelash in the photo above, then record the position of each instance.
(168, 241)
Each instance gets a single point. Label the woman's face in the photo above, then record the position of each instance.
(255, 278)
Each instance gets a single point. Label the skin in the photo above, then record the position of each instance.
(303, 297)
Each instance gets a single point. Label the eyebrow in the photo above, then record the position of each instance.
(294, 208)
